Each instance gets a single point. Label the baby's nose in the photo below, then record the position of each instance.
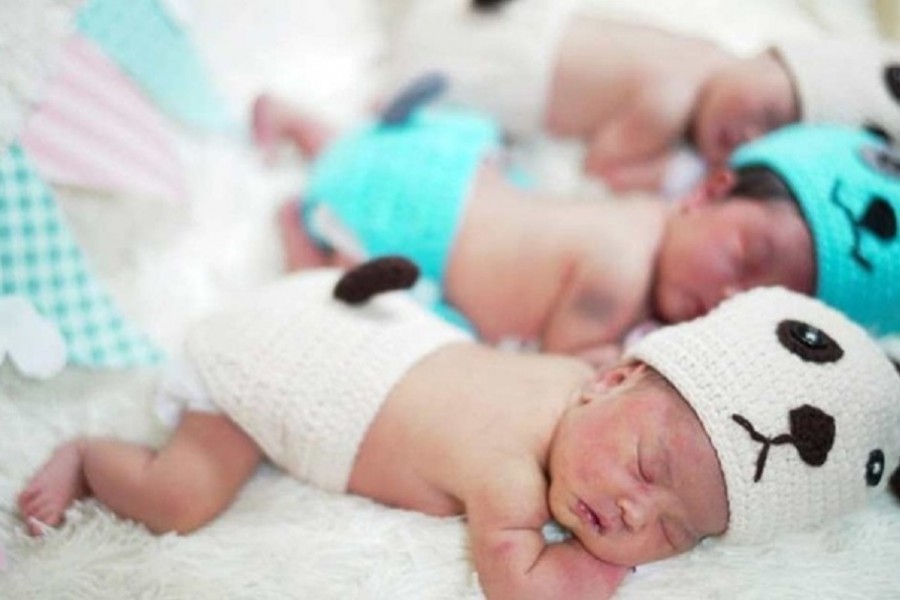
(637, 513)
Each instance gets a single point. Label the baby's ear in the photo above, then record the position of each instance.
(609, 379)
(717, 185)
(602, 358)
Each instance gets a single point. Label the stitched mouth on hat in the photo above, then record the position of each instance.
(855, 251)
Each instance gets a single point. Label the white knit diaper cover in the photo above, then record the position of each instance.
(304, 374)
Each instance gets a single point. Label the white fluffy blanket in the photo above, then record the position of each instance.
(166, 263)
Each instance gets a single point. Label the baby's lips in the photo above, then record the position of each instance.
(589, 517)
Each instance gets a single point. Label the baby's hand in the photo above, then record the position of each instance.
(629, 91)
(514, 561)
(601, 358)
(565, 570)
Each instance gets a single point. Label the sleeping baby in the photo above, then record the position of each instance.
(810, 208)
(735, 425)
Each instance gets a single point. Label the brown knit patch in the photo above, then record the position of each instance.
(875, 467)
(812, 431)
(894, 483)
(880, 219)
(488, 5)
(892, 80)
(808, 342)
(879, 131)
(376, 276)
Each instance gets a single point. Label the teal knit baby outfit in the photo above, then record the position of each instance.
(400, 188)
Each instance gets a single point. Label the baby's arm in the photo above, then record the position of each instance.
(629, 91)
(511, 556)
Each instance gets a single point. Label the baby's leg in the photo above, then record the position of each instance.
(300, 252)
(275, 120)
(179, 488)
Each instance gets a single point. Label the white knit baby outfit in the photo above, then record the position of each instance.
(499, 63)
(801, 405)
(850, 81)
(304, 374)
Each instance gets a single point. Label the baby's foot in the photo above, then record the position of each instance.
(274, 121)
(265, 123)
(53, 488)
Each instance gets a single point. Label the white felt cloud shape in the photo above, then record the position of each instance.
(32, 342)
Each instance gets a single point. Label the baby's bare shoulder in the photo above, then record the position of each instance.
(510, 494)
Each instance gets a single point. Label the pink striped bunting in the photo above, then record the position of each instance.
(95, 129)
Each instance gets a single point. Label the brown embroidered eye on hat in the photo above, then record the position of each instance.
(801, 405)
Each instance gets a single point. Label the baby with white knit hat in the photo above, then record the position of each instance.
(635, 94)
(772, 413)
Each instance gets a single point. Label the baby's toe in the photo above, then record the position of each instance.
(34, 527)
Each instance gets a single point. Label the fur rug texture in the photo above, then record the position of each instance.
(166, 263)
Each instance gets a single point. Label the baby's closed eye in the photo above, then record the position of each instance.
(653, 464)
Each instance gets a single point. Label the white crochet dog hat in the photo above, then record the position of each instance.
(801, 405)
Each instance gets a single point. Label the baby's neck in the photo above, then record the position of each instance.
(516, 254)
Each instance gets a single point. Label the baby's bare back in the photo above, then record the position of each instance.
(571, 274)
(456, 419)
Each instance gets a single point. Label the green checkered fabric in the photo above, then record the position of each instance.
(40, 260)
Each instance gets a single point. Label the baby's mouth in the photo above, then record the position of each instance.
(589, 517)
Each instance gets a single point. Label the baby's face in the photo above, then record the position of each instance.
(741, 103)
(633, 475)
(715, 250)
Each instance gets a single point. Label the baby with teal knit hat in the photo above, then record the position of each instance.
(809, 207)
(846, 183)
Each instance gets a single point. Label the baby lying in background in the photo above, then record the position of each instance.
(796, 81)
(635, 94)
(574, 276)
(734, 425)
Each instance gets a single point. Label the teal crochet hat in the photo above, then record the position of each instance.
(847, 184)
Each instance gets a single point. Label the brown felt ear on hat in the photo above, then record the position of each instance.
(879, 131)
(894, 483)
(378, 275)
(488, 5)
(892, 80)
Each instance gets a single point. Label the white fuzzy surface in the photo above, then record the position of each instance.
(166, 263)
(28, 58)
